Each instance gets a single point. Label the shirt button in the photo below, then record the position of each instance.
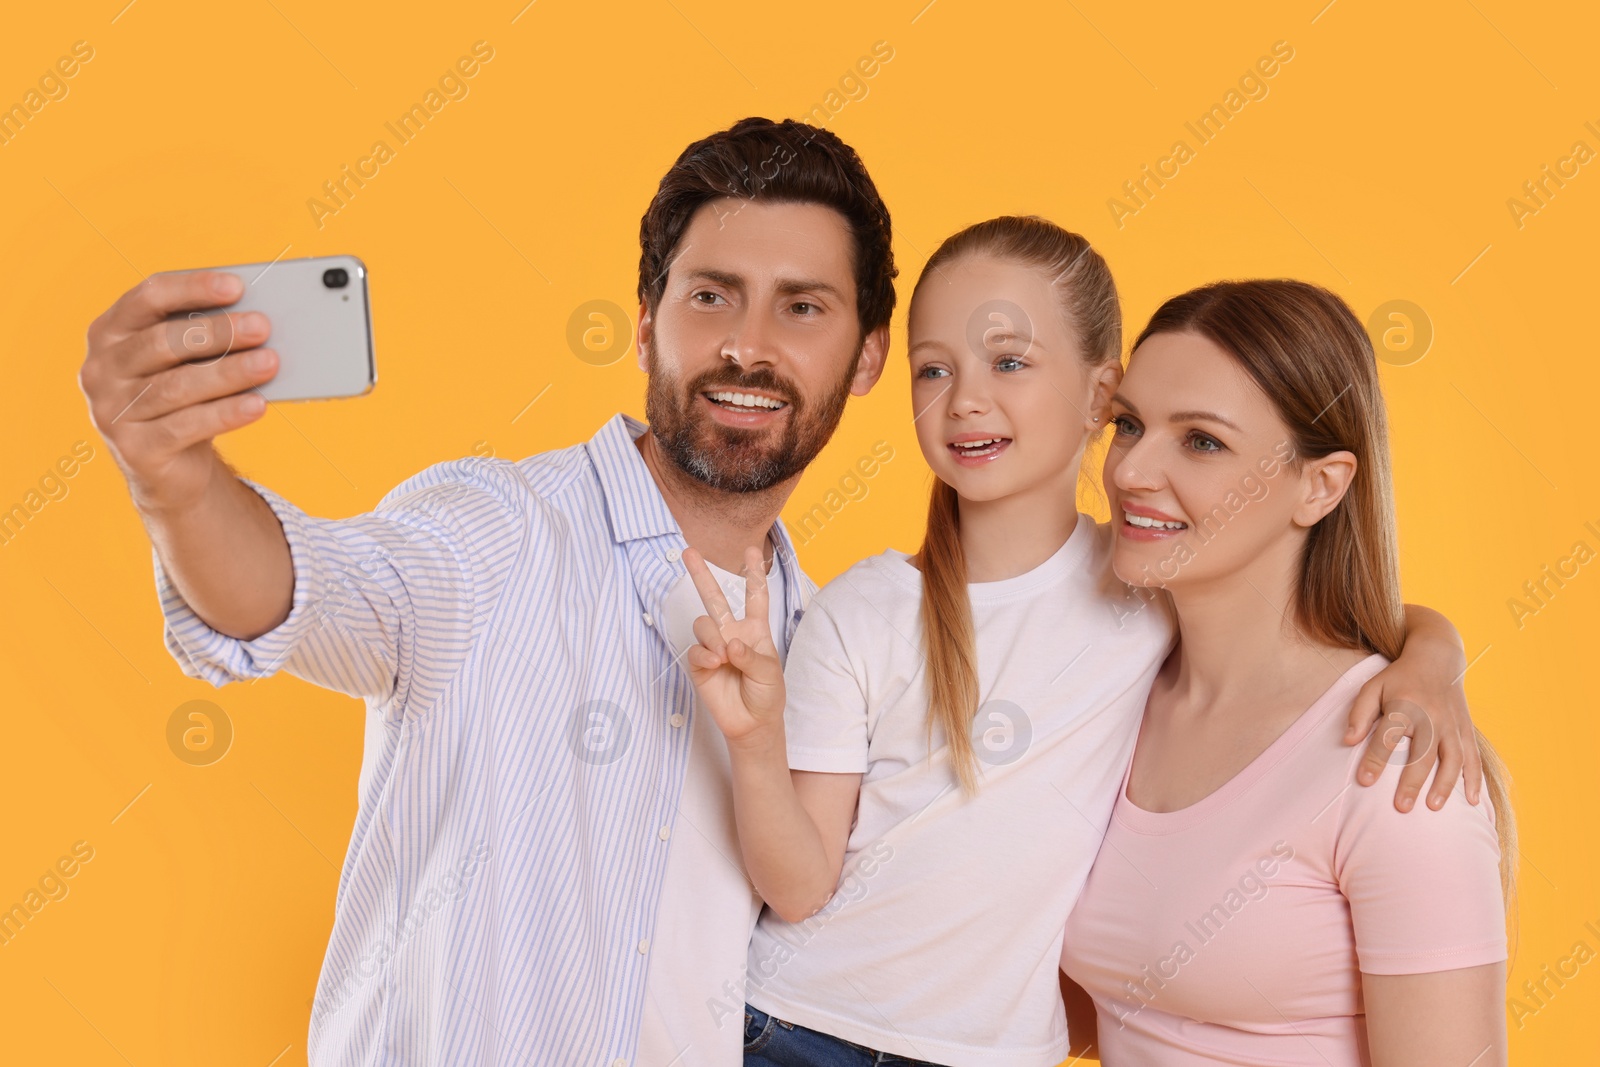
(648, 621)
(673, 554)
(676, 720)
(619, 1062)
(666, 832)
(644, 946)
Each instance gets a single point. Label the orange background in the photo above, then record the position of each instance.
(1379, 162)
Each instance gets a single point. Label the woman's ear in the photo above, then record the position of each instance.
(1103, 383)
(1325, 482)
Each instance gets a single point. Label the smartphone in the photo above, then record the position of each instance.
(321, 325)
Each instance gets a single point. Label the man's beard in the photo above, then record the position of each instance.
(729, 458)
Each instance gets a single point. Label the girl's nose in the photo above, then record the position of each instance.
(969, 394)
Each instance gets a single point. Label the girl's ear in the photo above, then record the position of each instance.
(1325, 482)
(1103, 382)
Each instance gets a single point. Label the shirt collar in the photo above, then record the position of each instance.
(637, 508)
(633, 499)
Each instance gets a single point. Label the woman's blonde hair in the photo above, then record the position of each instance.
(1308, 353)
(1088, 300)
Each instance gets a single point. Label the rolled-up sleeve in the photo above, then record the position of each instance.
(386, 603)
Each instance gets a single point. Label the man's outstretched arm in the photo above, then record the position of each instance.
(159, 413)
(380, 605)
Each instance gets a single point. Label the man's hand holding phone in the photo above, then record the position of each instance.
(159, 391)
(170, 367)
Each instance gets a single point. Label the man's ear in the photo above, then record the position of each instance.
(1325, 482)
(646, 332)
(1103, 383)
(874, 353)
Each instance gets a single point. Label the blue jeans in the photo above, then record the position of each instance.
(771, 1042)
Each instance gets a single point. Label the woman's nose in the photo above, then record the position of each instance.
(1132, 466)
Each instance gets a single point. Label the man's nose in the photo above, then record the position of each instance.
(753, 342)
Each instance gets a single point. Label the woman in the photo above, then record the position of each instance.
(1250, 906)
(919, 795)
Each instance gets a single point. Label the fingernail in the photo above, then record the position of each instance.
(1407, 804)
(253, 322)
(222, 284)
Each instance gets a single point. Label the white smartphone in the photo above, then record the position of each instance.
(321, 325)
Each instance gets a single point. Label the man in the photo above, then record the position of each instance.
(544, 867)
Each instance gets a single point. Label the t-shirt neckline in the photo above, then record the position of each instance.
(1062, 561)
(1160, 822)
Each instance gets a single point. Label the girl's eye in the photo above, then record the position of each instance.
(1008, 364)
(931, 372)
(1125, 426)
(1203, 442)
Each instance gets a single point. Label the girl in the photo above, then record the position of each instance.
(1247, 902)
(919, 799)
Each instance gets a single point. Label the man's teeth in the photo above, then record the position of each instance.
(1154, 524)
(746, 400)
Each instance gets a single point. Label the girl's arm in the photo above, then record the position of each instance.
(793, 825)
(1443, 1019)
(1421, 696)
(793, 828)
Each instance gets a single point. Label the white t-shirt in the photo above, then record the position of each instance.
(943, 940)
(694, 992)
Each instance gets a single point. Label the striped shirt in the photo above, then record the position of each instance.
(525, 746)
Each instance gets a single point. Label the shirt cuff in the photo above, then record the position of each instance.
(204, 653)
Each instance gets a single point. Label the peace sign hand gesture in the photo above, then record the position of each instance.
(735, 666)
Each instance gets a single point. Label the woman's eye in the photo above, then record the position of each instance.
(1125, 425)
(1201, 442)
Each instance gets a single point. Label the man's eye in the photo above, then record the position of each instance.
(802, 304)
(713, 296)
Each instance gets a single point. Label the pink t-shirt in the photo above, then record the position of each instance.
(1236, 930)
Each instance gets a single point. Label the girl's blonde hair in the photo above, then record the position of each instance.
(1088, 300)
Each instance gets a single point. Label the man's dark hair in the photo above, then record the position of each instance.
(778, 162)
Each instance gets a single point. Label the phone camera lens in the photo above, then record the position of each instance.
(336, 278)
